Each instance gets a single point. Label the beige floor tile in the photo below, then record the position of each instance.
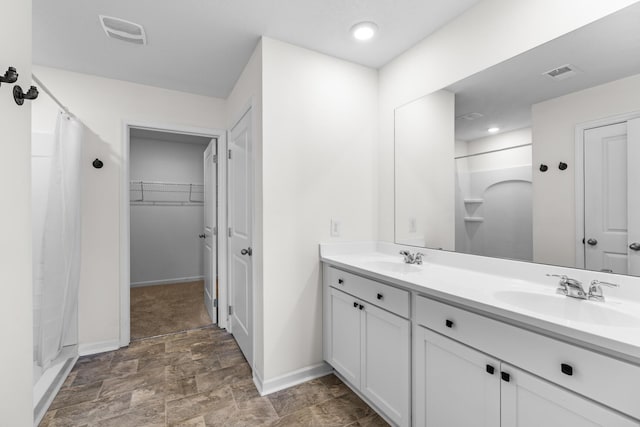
(92, 411)
(197, 378)
(212, 380)
(115, 386)
(143, 416)
(190, 407)
(78, 394)
(295, 398)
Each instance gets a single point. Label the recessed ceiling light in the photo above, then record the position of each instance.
(364, 30)
(493, 130)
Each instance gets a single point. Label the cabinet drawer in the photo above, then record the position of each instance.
(607, 380)
(385, 296)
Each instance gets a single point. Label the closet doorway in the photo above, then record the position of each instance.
(172, 189)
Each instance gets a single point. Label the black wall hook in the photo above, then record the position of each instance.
(98, 164)
(10, 76)
(19, 96)
(562, 166)
(543, 167)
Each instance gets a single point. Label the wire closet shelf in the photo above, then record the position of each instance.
(165, 193)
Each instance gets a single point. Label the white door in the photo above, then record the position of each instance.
(528, 401)
(633, 196)
(209, 232)
(385, 362)
(605, 198)
(345, 335)
(240, 217)
(455, 386)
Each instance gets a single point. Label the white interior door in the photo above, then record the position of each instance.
(240, 217)
(605, 198)
(633, 196)
(210, 231)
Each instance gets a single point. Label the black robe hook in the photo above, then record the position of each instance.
(19, 96)
(10, 76)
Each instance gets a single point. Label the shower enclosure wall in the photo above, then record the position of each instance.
(494, 203)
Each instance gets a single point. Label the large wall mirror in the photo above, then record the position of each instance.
(535, 159)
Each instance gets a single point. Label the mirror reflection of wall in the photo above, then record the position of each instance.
(424, 153)
(545, 103)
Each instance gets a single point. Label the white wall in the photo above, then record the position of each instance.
(102, 105)
(248, 92)
(554, 124)
(16, 325)
(319, 140)
(165, 247)
(424, 150)
(490, 32)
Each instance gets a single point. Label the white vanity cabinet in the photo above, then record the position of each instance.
(454, 384)
(368, 344)
(457, 385)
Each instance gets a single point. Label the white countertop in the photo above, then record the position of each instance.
(612, 327)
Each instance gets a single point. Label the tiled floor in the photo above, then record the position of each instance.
(164, 309)
(197, 378)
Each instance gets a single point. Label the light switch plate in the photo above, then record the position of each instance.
(336, 228)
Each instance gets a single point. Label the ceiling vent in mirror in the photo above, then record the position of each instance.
(125, 31)
(562, 72)
(470, 116)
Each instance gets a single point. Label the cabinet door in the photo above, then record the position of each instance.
(528, 401)
(386, 363)
(455, 386)
(345, 335)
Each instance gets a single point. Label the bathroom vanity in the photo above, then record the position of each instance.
(472, 341)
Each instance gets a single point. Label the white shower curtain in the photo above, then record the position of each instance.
(56, 288)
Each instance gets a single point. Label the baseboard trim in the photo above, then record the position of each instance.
(166, 281)
(291, 379)
(98, 347)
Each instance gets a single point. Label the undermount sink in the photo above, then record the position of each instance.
(394, 267)
(570, 309)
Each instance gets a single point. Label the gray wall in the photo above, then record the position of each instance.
(165, 247)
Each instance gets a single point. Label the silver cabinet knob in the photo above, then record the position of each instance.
(592, 242)
(635, 246)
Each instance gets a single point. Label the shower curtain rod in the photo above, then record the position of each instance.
(491, 151)
(52, 96)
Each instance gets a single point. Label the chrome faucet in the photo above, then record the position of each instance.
(410, 258)
(569, 287)
(595, 289)
(573, 288)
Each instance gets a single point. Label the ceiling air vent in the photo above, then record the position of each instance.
(125, 31)
(562, 72)
(470, 116)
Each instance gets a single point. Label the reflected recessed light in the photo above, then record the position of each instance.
(493, 130)
(364, 30)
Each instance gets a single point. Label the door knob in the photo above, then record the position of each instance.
(592, 242)
(202, 236)
(247, 251)
(635, 246)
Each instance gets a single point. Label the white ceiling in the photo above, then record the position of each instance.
(201, 46)
(603, 51)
